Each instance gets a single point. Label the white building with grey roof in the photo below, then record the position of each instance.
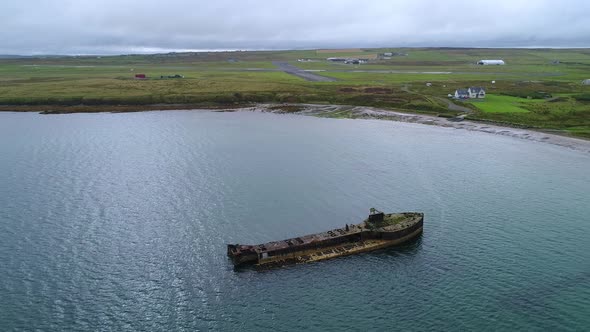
(491, 62)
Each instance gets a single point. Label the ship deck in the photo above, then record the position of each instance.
(309, 239)
(334, 251)
(392, 223)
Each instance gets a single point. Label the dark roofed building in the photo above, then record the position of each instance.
(461, 94)
(477, 92)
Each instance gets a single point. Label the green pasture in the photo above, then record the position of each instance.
(504, 104)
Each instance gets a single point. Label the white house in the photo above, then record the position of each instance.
(461, 94)
(473, 92)
(491, 62)
(476, 92)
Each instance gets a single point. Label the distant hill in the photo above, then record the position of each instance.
(11, 56)
(45, 56)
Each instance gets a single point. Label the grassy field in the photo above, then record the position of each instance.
(531, 90)
(504, 104)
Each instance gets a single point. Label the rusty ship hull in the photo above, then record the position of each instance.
(378, 231)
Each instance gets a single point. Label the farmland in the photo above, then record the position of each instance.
(504, 104)
(537, 88)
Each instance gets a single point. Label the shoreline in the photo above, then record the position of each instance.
(71, 109)
(364, 112)
(328, 111)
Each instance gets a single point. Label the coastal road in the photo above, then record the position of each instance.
(290, 69)
(454, 107)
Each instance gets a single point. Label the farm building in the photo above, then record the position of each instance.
(388, 55)
(476, 92)
(473, 92)
(461, 94)
(586, 82)
(140, 76)
(172, 76)
(491, 62)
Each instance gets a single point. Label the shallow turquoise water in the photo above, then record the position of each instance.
(119, 222)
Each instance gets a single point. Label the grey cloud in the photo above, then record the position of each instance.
(122, 26)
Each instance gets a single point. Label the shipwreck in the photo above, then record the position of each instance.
(378, 231)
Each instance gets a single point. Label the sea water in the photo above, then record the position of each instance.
(120, 222)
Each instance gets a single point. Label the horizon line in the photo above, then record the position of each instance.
(156, 51)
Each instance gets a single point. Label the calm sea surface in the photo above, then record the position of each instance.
(119, 222)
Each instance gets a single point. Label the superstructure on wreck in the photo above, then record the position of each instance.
(378, 231)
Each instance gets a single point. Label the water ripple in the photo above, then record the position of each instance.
(119, 222)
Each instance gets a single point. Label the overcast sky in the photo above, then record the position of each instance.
(133, 26)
